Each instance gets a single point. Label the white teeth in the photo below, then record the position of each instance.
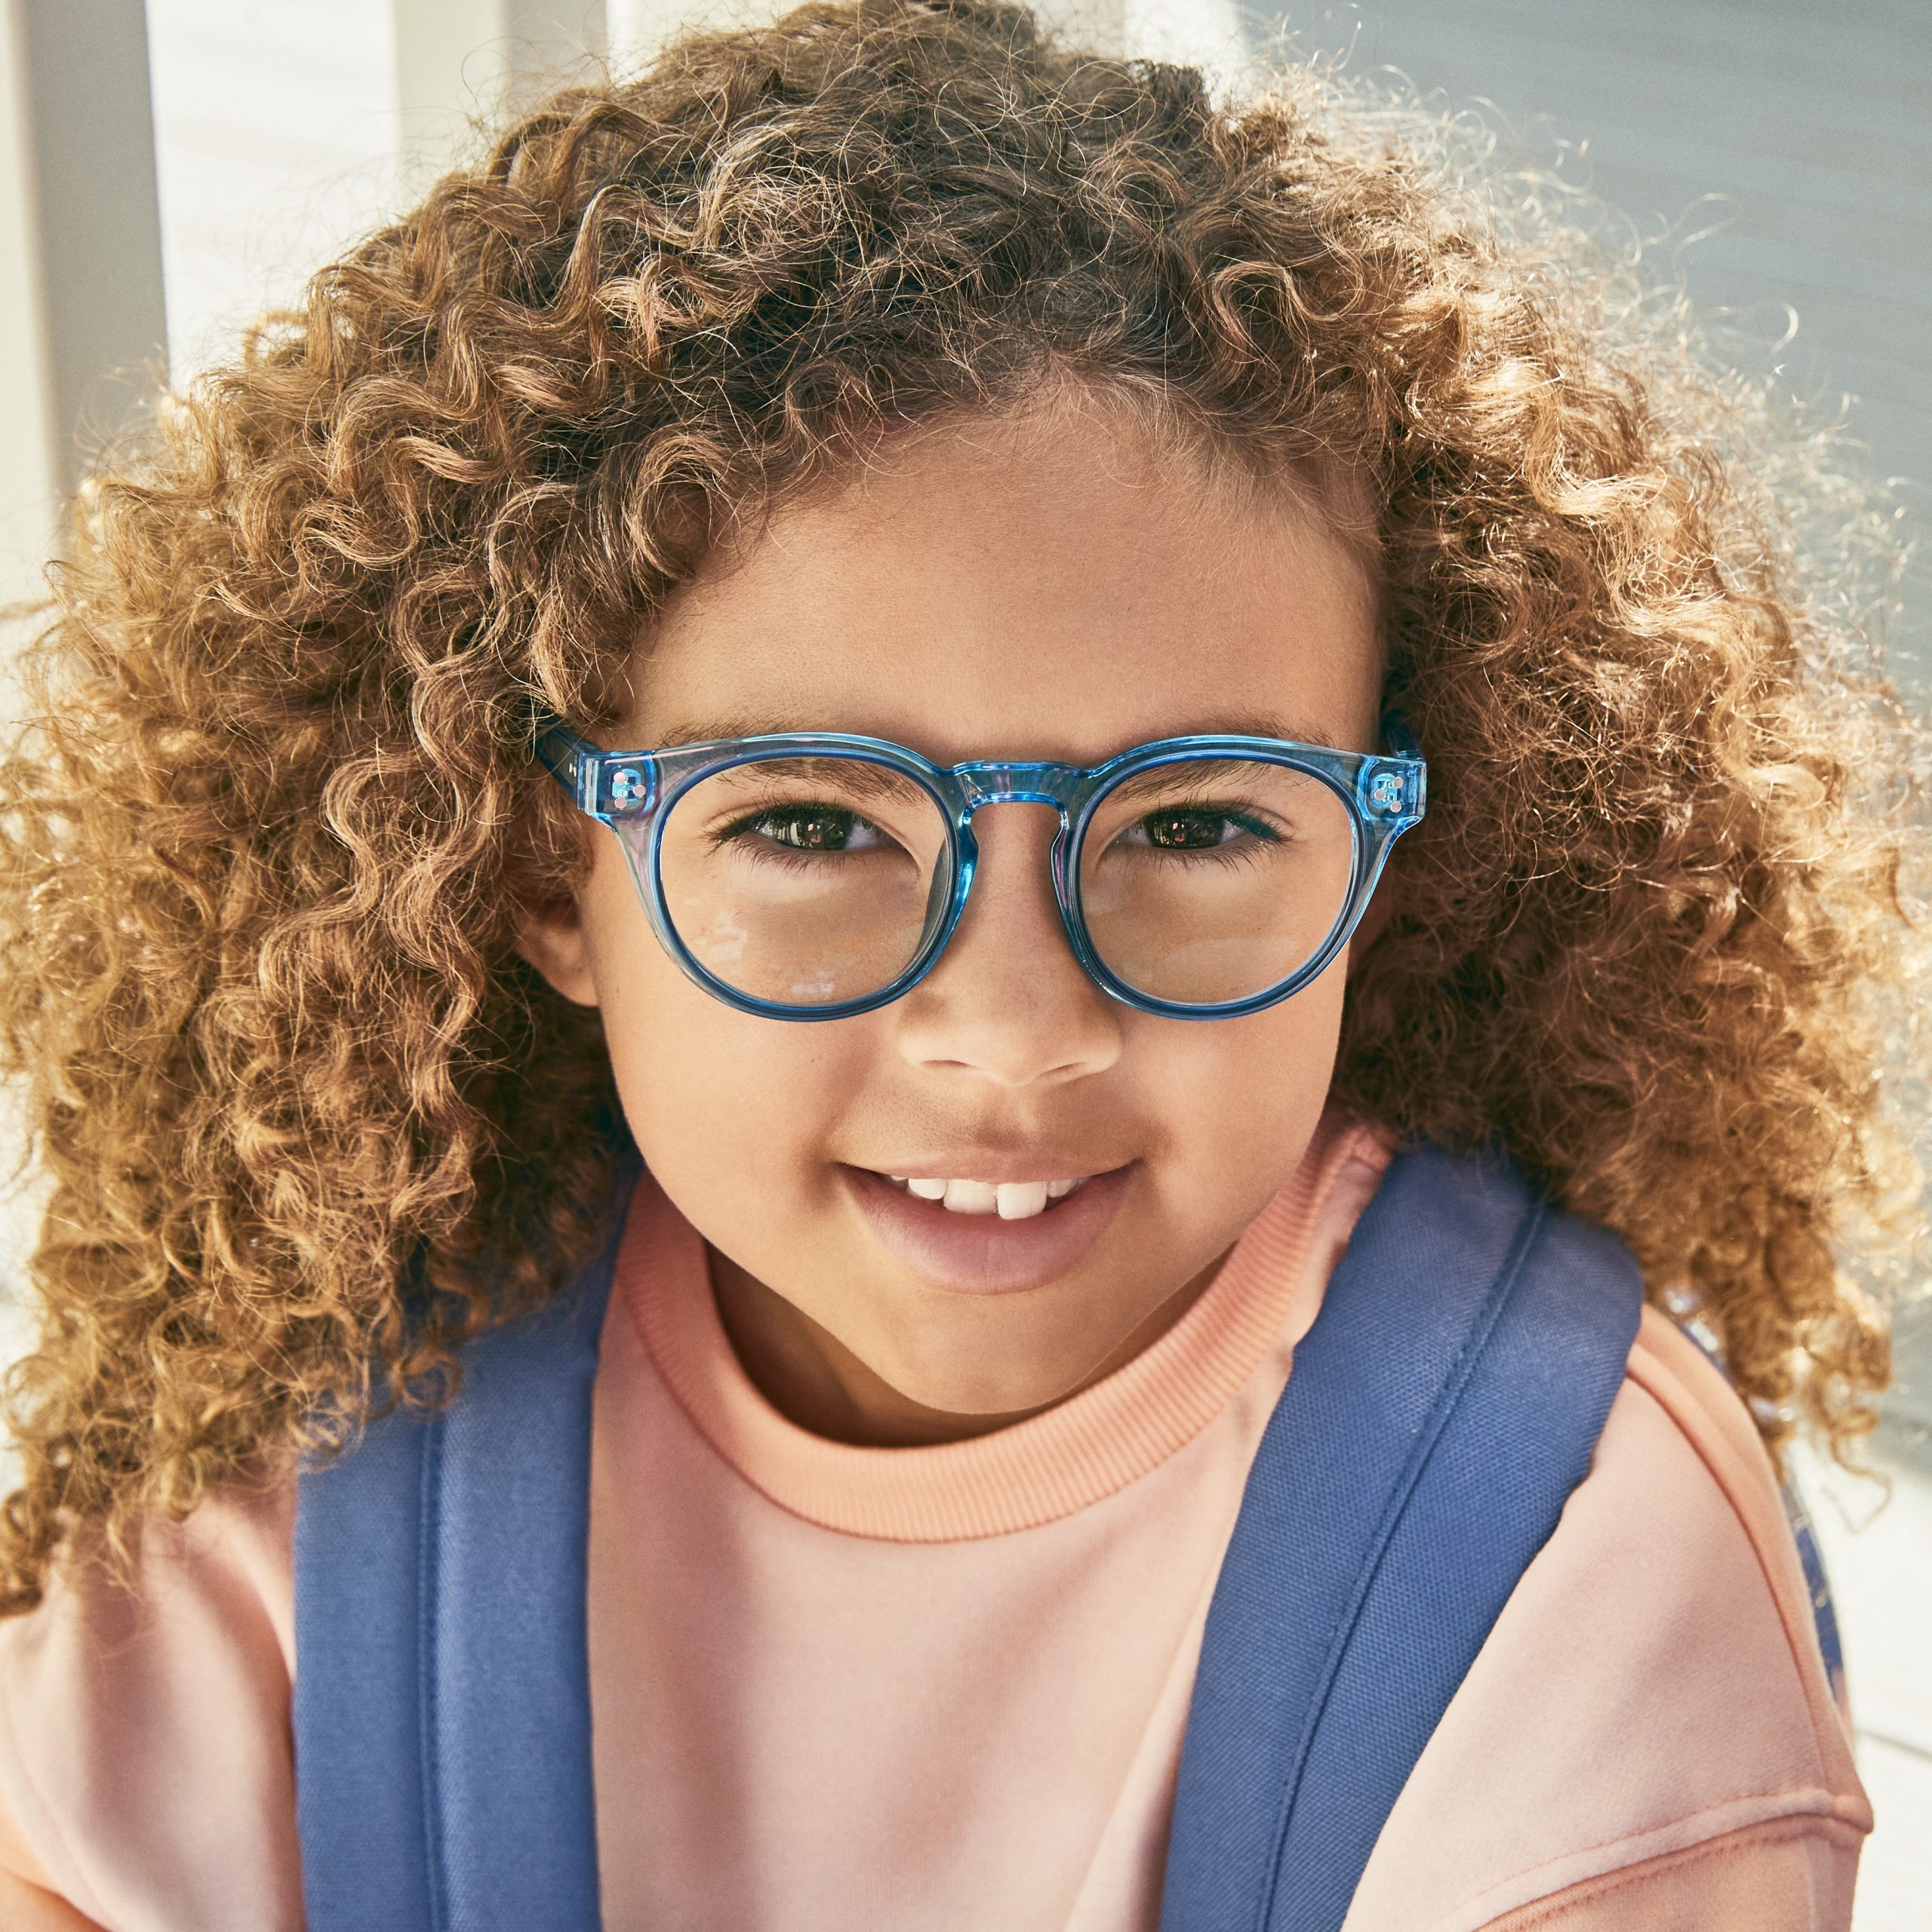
(1020, 1200)
(971, 1196)
(1010, 1200)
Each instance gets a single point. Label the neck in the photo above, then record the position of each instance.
(813, 1379)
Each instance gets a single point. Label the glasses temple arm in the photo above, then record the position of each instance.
(1396, 734)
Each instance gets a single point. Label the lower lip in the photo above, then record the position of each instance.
(980, 1254)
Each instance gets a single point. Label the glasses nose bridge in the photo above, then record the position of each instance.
(1004, 782)
(1012, 782)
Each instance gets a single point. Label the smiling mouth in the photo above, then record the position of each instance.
(1010, 1200)
(961, 1232)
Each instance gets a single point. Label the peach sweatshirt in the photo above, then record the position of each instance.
(839, 1687)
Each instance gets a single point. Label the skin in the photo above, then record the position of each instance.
(1043, 586)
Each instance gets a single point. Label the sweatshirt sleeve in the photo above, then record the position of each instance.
(1647, 1738)
(1791, 1875)
(146, 1772)
(28, 1908)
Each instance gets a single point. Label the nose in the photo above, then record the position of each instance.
(1008, 1001)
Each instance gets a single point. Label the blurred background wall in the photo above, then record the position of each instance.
(167, 170)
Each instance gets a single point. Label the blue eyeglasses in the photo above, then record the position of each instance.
(812, 876)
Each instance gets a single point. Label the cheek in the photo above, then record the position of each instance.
(1239, 1098)
(721, 1103)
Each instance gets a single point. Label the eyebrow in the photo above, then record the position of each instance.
(1296, 730)
(856, 778)
(1239, 725)
(1198, 776)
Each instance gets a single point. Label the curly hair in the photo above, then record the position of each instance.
(273, 820)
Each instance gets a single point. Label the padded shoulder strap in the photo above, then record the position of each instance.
(442, 1712)
(1446, 1402)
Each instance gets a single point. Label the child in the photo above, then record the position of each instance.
(965, 463)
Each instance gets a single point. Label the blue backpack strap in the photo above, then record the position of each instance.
(1444, 1404)
(442, 1708)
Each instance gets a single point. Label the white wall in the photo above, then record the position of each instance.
(27, 484)
(274, 140)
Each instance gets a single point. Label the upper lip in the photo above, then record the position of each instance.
(996, 1167)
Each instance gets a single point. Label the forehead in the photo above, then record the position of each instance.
(1051, 587)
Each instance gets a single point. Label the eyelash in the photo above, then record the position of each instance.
(1244, 821)
(748, 825)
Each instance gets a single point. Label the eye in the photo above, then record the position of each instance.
(811, 828)
(1195, 828)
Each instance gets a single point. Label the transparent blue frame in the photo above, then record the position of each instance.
(1384, 792)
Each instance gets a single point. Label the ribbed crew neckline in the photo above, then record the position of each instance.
(1035, 1472)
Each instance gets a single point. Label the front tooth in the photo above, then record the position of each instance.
(1058, 1190)
(971, 1196)
(1020, 1200)
(927, 1190)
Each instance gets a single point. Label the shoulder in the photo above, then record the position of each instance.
(1650, 1706)
(146, 1771)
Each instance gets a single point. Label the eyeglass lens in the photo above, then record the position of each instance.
(812, 881)
(1208, 880)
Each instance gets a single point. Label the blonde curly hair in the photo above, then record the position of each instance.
(273, 820)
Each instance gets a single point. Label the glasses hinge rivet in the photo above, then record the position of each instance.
(1385, 792)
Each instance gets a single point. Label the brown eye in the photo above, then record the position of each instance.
(1196, 828)
(811, 828)
(1186, 832)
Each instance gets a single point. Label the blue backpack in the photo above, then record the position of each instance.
(1446, 1402)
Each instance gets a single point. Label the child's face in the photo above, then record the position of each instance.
(1046, 589)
